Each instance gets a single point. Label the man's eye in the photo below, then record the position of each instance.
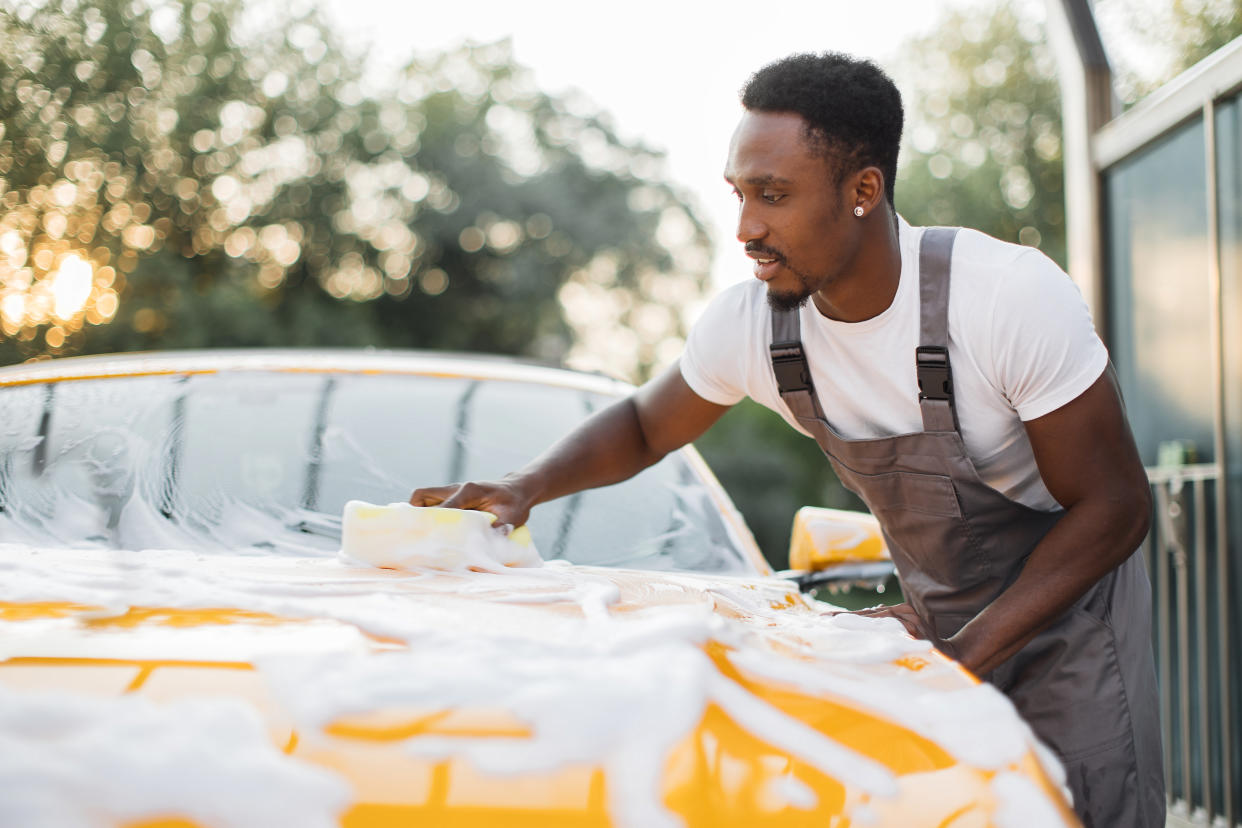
(772, 198)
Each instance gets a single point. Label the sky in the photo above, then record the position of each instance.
(668, 71)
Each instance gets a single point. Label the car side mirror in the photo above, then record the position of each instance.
(839, 549)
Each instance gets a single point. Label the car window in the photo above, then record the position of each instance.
(265, 461)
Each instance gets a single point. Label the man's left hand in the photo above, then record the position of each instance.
(913, 623)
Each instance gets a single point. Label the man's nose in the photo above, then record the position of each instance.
(750, 226)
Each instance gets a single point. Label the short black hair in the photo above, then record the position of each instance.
(852, 109)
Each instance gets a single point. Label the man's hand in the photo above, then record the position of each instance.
(916, 626)
(503, 498)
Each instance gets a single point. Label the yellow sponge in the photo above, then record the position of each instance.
(401, 536)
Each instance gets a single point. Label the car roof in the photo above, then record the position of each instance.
(310, 360)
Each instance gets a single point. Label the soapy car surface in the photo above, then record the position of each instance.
(183, 640)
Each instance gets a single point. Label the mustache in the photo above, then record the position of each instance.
(765, 252)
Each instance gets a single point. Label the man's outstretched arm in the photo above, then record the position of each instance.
(612, 445)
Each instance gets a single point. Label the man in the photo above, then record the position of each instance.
(957, 384)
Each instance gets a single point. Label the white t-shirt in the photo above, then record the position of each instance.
(1021, 343)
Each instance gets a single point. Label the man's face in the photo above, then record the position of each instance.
(792, 215)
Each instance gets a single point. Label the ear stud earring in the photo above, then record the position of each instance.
(858, 211)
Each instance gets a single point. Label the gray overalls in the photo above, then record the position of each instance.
(1087, 683)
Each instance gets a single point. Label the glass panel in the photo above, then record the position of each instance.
(1229, 200)
(1158, 274)
(1229, 188)
(264, 462)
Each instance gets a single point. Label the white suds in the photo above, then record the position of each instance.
(604, 667)
(1021, 803)
(70, 761)
(786, 791)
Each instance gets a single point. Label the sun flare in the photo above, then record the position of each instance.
(71, 286)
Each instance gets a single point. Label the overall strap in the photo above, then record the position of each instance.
(793, 374)
(931, 357)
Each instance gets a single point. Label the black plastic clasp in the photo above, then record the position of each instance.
(790, 367)
(935, 377)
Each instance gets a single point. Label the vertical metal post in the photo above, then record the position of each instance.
(1202, 645)
(1178, 513)
(1179, 561)
(1087, 103)
(1223, 653)
(1160, 558)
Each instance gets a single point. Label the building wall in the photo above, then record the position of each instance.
(1172, 235)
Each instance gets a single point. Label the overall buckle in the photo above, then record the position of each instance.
(789, 365)
(935, 377)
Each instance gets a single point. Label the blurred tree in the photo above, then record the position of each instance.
(983, 134)
(1196, 28)
(1165, 37)
(176, 173)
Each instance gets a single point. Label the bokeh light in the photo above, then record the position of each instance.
(71, 286)
(179, 172)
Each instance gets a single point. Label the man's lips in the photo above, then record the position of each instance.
(766, 264)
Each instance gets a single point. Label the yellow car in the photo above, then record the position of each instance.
(185, 642)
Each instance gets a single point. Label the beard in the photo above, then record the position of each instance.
(789, 300)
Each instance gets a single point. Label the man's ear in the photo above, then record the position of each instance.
(865, 190)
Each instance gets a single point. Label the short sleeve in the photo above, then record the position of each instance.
(1046, 349)
(713, 363)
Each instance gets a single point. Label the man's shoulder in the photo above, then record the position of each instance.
(749, 292)
(975, 249)
(986, 269)
(734, 315)
(743, 299)
(720, 360)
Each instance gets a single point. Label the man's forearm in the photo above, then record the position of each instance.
(1092, 539)
(610, 446)
(607, 448)
(1088, 460)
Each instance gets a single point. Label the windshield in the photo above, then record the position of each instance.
(265, 461)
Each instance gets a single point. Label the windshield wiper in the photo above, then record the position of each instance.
(39, 461)
(317, 523)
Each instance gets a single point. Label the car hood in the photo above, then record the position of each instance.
(231, 689)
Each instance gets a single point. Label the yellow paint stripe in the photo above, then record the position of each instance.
(143, 674)
(54, 661)
(570, 380)
(45, 380)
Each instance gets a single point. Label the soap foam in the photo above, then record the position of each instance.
(786, 791)
(69, 760)
(1022, 804)
(594, 684)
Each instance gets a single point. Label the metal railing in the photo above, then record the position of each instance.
(1196, 635)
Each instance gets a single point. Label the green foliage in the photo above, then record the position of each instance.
(1171, 36)
(983, 135)
(232, 181)
(1198, 28)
